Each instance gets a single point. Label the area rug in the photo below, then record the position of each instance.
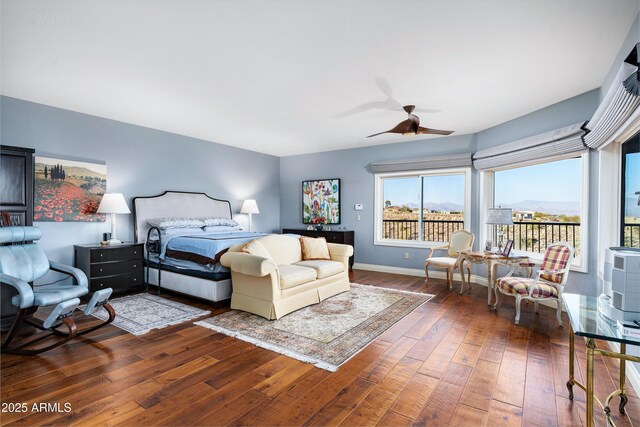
(326, 334)
(140, 313)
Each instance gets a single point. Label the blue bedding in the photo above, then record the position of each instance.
(206, 244)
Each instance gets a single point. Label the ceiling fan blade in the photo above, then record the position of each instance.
(379, 133)
(428, 131)
(426, 110)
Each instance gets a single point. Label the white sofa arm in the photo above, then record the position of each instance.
(341, 253)
(251, 265)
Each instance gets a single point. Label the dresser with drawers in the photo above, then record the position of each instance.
(120, 267)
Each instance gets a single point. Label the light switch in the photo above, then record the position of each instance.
(358, 207)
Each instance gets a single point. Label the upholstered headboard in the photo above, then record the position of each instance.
(175, 204)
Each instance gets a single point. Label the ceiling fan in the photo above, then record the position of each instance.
(411, 126)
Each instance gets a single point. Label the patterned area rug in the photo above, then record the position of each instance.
(140, 313)
(326, 334)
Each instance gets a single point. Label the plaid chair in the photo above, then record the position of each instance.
(548, 283)
(460, 240)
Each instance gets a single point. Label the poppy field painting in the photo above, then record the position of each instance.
(321, 201)
(67, 190)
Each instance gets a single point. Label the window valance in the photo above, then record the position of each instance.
(422, 163)
(616, 111)
(562, 141)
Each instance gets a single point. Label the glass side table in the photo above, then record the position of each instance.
(585, 321)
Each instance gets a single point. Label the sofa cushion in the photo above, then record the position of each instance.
(294, 275)
(323, 268)
(314, 248)
(254, 247)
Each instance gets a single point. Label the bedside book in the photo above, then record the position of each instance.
(629, 329)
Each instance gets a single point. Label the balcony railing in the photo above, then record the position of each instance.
(432, 230)
(526, 235)
(631, 235)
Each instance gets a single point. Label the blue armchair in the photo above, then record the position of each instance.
(23, 261)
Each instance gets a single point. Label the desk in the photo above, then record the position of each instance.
(492, 261)
(586, 322)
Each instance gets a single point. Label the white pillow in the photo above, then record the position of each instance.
(215, 221)
(222, 228)
(175, 222)
(256, 248)
(180, 231)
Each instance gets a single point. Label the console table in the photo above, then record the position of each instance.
(587, 322)
(492, 261)
(332, 236)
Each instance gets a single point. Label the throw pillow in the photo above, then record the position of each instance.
(314, 248)
(256, 248)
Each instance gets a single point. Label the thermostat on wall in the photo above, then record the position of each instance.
(358, 207)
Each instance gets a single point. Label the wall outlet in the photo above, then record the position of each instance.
(357, 217)
(406, 255)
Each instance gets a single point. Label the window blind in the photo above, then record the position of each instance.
(613, 112)
(562, 141)
(422, 163)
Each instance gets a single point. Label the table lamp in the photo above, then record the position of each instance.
(113, 203)
(250, 207)
(500, 216)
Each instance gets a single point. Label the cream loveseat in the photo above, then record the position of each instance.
(281, 283)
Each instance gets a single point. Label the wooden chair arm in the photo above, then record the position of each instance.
(436, 248)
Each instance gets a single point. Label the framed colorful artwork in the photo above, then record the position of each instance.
(67, 190)
(321, 201)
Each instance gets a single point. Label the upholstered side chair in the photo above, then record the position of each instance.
(459, 241)
(23, 261)
(548, 283)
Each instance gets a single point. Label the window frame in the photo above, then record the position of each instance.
(379, 204)
(487, 199)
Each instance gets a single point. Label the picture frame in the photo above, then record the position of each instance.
(488, 245)
(507, 248)
(68, 190)
(321, 202)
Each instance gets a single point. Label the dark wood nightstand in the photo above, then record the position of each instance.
(120, 267)
(344, 237)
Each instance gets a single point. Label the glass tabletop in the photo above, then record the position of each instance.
(586, 321)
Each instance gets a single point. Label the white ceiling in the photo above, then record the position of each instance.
(291, 77)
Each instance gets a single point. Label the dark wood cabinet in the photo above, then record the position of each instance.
(16, 185)
(16, 208)
(120, 267)
(341, 236)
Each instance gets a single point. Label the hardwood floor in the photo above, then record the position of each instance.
(450, 362)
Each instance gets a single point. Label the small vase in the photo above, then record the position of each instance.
(319, 227)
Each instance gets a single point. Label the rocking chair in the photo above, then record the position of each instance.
(22, 261)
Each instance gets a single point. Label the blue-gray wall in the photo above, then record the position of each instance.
(358, 182)
(140, 162)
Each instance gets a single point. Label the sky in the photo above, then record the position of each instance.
(438, 189)
(555, 182)
(551, 182)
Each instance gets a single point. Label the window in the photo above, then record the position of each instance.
(630, 194)
(549, 204)
(415, 209)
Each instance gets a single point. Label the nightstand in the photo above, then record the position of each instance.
(120, 267)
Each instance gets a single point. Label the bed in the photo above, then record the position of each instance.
(185, 260)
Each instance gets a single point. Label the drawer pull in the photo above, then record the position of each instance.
(134, 266)
(135, 280)
(135, 252)
(101, 254)
(100, 269)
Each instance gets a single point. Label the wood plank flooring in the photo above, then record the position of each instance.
(450, 362)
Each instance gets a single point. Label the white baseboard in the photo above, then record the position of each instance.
(436, 274)
(632, 372)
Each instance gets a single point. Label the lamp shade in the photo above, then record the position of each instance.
(113, 203)
(500, 216)
(249, 207)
